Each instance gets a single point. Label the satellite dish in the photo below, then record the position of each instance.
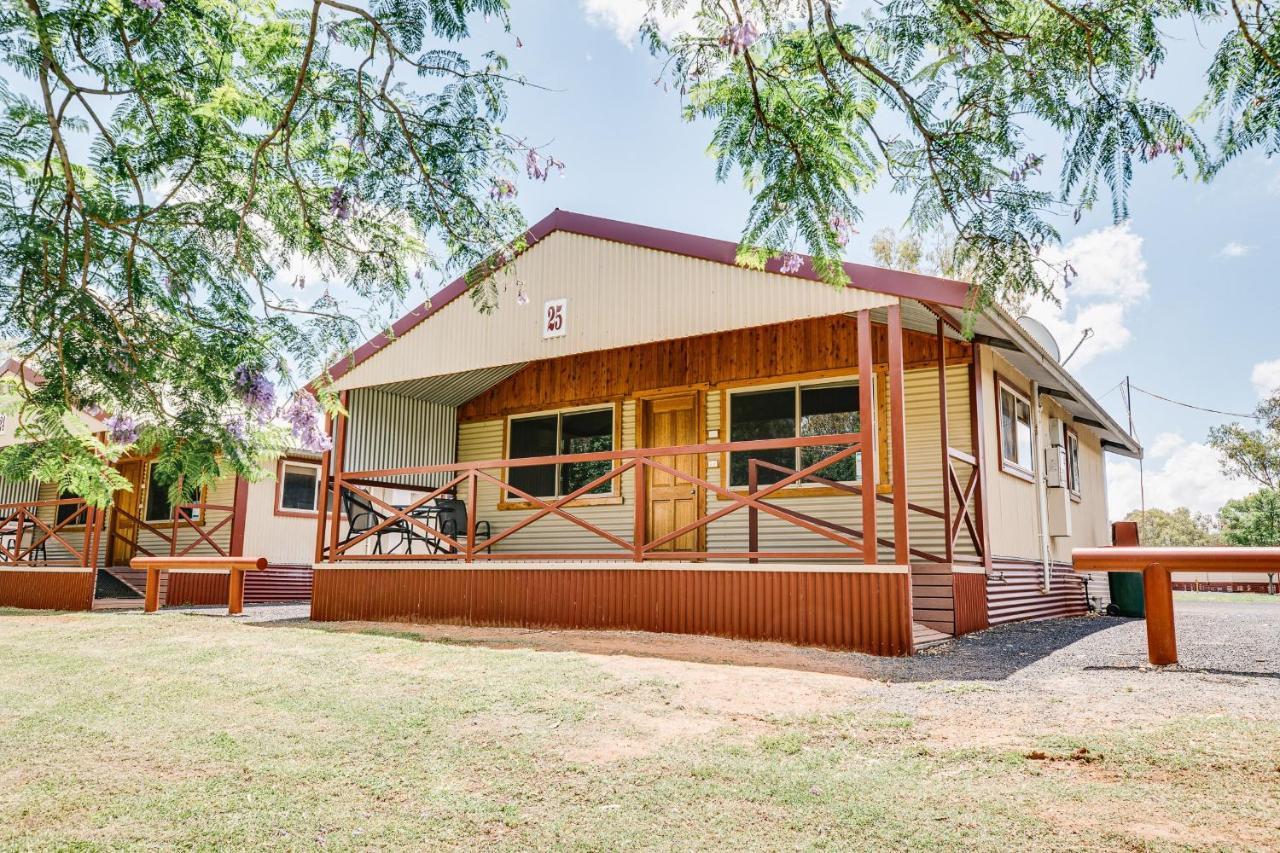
(1042, 335)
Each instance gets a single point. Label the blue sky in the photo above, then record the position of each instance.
(1179, 296)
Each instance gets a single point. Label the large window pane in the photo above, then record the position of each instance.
(586, 432)
(830, 410)
(757, 415)
(533, 437)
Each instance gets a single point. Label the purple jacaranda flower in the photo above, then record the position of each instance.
(304, 417)
(340, 203)
(150, 5)
(122, 429)
(842, 227)
(256, 391)
(502, 188)
(791, 263)
(237, 427)
(739, 37)
(522, 296)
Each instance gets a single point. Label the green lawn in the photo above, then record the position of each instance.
(189, 731)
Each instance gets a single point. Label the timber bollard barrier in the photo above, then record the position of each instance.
(237, 566)
(1157, 566)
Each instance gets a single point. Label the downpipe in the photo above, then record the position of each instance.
(1042, 495)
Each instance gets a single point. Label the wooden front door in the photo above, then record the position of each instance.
(673, 502)
(126, 531)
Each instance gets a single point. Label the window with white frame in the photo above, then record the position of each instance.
(299, 486)
(558, 434)
(794, 411)
(1017, 450)
(1073, 463)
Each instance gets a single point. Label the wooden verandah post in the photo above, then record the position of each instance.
(866, 404)
(339, 458)
(898, 439)
(944, 433)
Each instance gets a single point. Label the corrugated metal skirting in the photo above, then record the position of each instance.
(277, 583)
(71, 590)
(1014, 592)
(969, 593)
(863, 611)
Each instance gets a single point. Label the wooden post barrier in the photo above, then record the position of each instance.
(1157, 565)
(237, 566)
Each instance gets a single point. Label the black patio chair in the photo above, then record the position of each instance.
(363, 516)
(9, 535)
(452, 515)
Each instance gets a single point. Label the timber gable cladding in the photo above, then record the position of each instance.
(801, 349)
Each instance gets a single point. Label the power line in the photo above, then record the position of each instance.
(1193, 406)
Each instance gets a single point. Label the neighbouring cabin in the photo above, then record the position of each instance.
(57, 552)
(654, 438)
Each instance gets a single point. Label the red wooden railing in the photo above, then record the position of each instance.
(188, 516)
(848, 543)
(26, 539)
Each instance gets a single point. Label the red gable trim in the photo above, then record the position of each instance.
(893, 282)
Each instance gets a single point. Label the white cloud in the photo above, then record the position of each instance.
(1235, 249)
(1178, 473)
(1164, 444)
(1111, 278)
(625, 16)
(1266, 377)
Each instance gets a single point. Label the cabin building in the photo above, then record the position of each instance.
(644, 435)
(58, 552)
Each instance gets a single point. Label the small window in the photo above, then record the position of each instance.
(1016, 447)
(299, 486)
(66, 511)
(1073, 463)
(794, 412)
(564, 433)
(158, 506)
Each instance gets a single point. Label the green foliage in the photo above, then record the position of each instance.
(1179, 527)
(814, 102)
(1253, 454)
(163, 168)
(1252, 520)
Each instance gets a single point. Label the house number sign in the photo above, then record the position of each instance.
(554, 323)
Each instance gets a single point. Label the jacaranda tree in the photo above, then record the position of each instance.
(165, 162)
(957, 103)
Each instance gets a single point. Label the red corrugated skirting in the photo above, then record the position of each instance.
(47, 590)
(277, 583)
(863, 611)
(1014, 592)
(969, 594)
